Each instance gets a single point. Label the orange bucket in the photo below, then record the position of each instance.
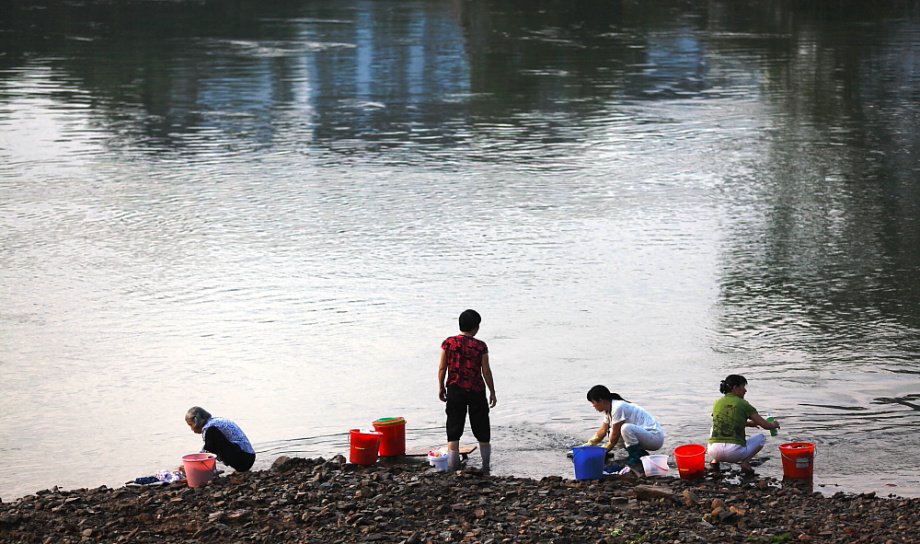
(364, 445)
(393, 435)
(691, 461)
(798, 459)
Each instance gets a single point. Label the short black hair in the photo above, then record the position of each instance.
(469, 320)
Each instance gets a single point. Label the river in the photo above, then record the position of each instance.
(278, 210)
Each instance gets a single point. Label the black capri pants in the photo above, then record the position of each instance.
(459, 401)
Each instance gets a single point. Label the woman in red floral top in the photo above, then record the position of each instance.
(465, 365)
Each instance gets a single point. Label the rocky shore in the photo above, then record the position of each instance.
(330, 501)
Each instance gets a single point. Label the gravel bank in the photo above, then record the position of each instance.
(315, 500)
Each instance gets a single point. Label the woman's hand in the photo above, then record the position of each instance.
(598, 436)
(757, 421)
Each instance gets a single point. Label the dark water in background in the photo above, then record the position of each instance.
(277, 211)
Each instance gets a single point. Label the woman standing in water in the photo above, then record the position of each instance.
(640, 431)
(730, 415)
(464, 373)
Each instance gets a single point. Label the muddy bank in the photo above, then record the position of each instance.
(316, 500)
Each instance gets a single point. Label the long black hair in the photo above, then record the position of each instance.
(731, 382)
(599, 392)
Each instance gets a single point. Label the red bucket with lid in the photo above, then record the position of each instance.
(392, 436)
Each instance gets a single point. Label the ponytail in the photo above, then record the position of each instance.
(599, 392)
(731, 382)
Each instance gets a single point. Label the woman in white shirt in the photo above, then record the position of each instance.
(638, 429)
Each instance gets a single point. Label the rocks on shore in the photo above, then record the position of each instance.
(316, 500)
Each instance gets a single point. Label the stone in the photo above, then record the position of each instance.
(690, 498)
(652, 492)
(404, 503)
(278, 463)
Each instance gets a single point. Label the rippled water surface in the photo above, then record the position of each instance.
(278, 213)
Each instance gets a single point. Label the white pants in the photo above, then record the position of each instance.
(734, 453)
(647, 439)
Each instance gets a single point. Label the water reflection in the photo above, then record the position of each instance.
(825, 230)
(379, 76)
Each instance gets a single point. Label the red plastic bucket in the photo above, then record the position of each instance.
(798, 459)
(393, 436)
(199, 468)
(364, 445)
(691, 461)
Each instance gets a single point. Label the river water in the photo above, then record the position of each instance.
(277, 211)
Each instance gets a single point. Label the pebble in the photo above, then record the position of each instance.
(316, 500)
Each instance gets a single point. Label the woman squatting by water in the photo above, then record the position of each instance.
(624, 422)
(730, 415)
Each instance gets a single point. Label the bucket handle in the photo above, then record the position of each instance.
(205, 460)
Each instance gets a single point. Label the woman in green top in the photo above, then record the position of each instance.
(730, 415)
